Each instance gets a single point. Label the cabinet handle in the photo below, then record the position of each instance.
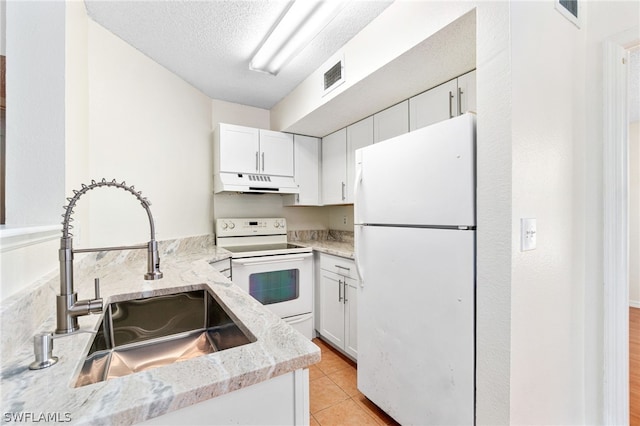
(263, 161)
(450, 104)
(342, 267)
(344, 291)
(340, 291)
(460, 92)
(343, 187)
(257, 165)
(297, 198)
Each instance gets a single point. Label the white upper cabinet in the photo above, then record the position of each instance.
(306, 158)
(334, 167)
(434, 105)
(359, 135)
(467, 92)
(446, 101)
(276, 153)
(238, 148)
(241, 149)
(391, 122)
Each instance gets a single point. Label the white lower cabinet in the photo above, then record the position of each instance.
(337, 303)
(282, 400)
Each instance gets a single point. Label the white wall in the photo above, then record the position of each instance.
(34, 39)
(547, 305)
(35, 133)
(153, 130)
(634, 214)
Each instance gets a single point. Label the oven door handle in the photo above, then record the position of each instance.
(271, 259)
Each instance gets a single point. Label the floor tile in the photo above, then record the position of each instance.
(344, 413)
(313, 421)
(346, 379)
(315, 373)
(332, 362)
(323, 393)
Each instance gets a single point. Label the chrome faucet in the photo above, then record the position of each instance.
(69, 308)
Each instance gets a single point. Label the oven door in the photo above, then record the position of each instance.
(283, 283)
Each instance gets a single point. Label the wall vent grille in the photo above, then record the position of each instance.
(333, 76)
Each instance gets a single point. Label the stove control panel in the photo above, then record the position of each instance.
(250, 226)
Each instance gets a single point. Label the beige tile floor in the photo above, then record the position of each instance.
(334, 397)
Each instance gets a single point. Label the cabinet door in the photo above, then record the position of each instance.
(334, 167)
(434, 105)
(391, 122)
(238, 148)
(467, 92)
(332, 308)
(359, 135)
(276, 153)
(306, 166)
(351, 317)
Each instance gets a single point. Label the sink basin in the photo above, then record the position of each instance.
(141, 334)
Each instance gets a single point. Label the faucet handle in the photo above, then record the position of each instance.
(96, 283)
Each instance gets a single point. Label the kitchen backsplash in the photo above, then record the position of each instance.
(321, 235)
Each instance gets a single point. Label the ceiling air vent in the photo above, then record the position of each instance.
(333, 76)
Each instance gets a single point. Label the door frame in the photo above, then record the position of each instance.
(616, 226)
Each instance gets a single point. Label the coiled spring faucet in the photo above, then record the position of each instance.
(69, 308)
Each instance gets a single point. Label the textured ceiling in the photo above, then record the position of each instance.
(210, 43)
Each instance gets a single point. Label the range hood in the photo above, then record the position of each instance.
(257, 183)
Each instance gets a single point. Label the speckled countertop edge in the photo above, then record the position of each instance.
(279, 348)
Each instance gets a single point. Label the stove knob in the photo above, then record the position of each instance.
(224, 225)
(232, 225)
(276, 225)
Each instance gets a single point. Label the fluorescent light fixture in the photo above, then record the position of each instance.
(300, 24)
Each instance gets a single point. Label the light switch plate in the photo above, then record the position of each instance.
(527, 234)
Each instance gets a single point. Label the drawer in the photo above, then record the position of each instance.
(223, 266)
(339, 265)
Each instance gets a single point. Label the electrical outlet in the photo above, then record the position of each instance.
(344, 220)
(528, 234)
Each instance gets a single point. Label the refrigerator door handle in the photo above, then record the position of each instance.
(358, 228)
(356, 189)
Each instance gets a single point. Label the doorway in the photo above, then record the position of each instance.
(616, 227)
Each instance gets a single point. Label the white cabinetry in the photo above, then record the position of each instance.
(306, 153)
(282, 400)
(334, 167)
(391, 122)
(276, 153)
(359, 135)
(240, 149)
(448, 100)
(337, 303)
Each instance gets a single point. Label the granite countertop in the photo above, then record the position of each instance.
(279, 348)
(338, 243)
(337, 248)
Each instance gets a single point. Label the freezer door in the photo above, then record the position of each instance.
(416, 313)
(425, 177)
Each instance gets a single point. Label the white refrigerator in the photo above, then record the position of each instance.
(415, 252)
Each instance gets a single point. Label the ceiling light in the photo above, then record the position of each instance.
(302, 21)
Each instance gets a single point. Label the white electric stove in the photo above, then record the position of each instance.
(276, 273)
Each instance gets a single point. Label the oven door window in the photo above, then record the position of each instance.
(275, 286)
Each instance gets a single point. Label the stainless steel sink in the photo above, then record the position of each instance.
(140, 334)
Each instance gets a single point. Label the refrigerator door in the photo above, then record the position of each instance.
(425, 177)
(416, 323)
